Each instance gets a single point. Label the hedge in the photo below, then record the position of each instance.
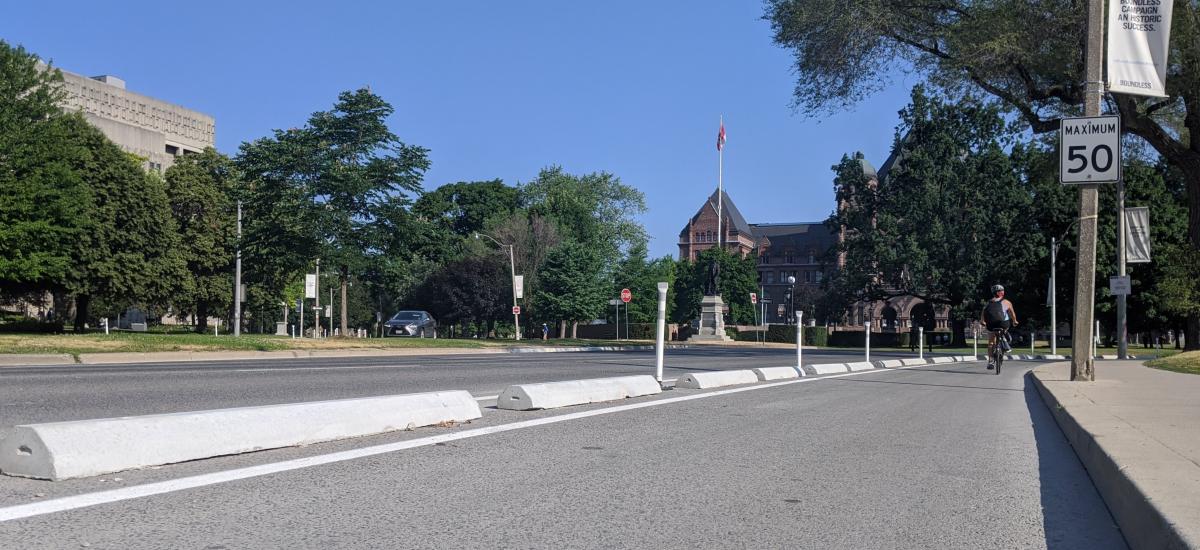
(813, 336)
(32, 326)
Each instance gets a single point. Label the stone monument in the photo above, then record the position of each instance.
(712, 310)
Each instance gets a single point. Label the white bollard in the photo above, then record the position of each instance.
(975, 341)
(661, 332)
(105, 325)
(867, 339)
(216, 327)
(920, 342)
(800, 342)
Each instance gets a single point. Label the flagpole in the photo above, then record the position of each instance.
(720, 186)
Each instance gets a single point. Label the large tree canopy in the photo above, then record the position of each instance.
(318, 191)
(1029, 55)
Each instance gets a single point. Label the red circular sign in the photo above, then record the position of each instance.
(626, 295)
(516, 310)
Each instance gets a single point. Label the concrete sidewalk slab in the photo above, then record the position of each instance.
(1136, 431)
(26, 359)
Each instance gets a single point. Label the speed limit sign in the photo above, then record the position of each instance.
(1090, 150)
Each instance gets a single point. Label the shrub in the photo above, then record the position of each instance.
(786, 334)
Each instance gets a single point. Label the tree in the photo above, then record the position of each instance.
(641, 277)
(573, 287)
(472, 289)
(594, 209)
(532, 237)
(44, 198)
(200, 189)
(1028, 55)
(944, 222)
(318, 191)
(466, 207)
(129, 253)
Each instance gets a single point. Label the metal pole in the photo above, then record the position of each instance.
(1083, 366)
(661, 331)
(920, 342)
(626, 321)
(867, 340)
(237, 278)
(720, 186)
(331, 311)
(975, 341)
(1122, 343)
(317, 304)
(1053, 296)
(301, 331)
(512, 266)
(800, 342)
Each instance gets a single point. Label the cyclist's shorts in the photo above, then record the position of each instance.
(1000, 324)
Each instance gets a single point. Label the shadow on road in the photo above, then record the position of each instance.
(1070, 503)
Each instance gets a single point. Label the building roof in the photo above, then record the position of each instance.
(814, 235)
(731, 210)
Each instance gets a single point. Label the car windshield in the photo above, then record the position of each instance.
(407, 316)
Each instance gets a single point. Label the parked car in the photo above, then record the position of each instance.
(418, 324)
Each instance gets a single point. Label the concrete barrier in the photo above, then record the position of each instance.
(716, 379)
(892, 363)
(940, 360)
(776, 373)
(825, 368)
(861, 365)
(912, 362)
(550, 395)
(64, 450)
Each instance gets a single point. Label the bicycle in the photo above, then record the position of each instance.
(997, 352)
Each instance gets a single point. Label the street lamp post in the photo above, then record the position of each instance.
(512, 266)
(791, 293)
(237, 283)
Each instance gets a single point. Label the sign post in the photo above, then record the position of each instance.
(800, 342)
(626, 297)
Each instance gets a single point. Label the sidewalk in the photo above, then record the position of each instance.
(1137, 431)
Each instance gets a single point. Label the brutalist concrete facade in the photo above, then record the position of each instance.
(142, 125)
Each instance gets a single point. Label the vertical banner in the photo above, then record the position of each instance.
(519, 286)
(1138, 34)
(310, 285)
(1137, 235)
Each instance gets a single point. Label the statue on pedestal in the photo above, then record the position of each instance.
(713, 282)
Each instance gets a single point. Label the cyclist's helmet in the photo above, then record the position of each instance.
(997, 288)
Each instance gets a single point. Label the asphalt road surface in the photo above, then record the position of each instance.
(940, 456)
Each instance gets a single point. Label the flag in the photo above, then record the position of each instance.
(721, 137)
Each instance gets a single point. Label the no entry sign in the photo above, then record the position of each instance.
(626, 295)
(516, 310)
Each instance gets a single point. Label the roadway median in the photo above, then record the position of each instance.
(550, 395)
(82, 448)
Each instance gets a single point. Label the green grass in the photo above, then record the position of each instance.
(1187, 362)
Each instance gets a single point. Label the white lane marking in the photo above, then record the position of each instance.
(75, 502)
(487, 398)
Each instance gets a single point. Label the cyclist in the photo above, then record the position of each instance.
(998, 314)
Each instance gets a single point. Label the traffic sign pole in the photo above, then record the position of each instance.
(1122, 337)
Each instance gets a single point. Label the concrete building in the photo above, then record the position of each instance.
(150, 128)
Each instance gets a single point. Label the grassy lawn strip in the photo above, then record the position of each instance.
(74, 344)
(1188, 362)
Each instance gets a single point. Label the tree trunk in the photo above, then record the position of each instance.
(562, 329)
(201, 316)
(81, 311)
(959, 338)
(574, 330)
(491, 328)
(345, 282)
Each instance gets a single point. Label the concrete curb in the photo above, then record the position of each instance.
(1136, 512)
(859, 366)
(715, 379)
(82, 448)
(826, 368)
(550, 395)
(776, 373)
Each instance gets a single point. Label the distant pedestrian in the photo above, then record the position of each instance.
(545, 331)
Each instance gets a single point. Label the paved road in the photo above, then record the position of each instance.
(943, 456)
(75, 392)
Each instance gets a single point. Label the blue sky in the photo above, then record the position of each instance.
(498, 89)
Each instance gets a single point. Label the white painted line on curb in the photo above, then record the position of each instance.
(75, 502)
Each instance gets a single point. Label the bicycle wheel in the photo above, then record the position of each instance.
(999, 356)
